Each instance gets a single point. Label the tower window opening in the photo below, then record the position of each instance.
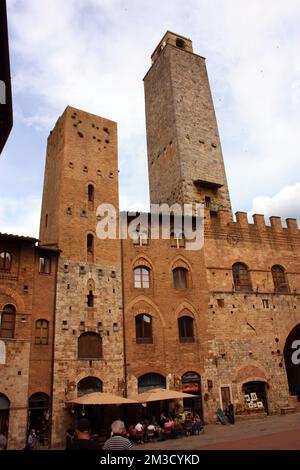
(90, 299)
(180, 43)
(90, 244)
(91, 193)
(207, 202)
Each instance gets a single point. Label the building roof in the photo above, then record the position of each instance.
(18, 237)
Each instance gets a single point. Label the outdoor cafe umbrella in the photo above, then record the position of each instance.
(158, 394)
(99, 398)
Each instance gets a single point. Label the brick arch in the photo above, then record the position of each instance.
(85, 375)
(186, 306)
(251, 373)
(142, 370)
(142, 260)
(180, 262)
(12, 298)
(135, 308)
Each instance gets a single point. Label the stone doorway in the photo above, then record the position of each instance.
(257, 391)
(191, 383)
(38, 417)
(4, 415)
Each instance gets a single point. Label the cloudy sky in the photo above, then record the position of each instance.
(93, 54)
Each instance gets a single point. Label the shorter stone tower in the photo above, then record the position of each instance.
(82, 173)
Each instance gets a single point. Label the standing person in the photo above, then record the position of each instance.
(32, 441)
(230, 413)
(118, 441)
(3, 442)
(83, 439)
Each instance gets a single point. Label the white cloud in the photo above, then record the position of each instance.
(285, 204)
(93, 54)
(20, 215)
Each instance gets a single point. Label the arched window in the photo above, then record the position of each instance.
(89, 385)
(186, 329)
(91, 193)
(142, 278)
(8, 321)
(90, 346)
(5, 261)
(241, 277)
(41, 332)
(143, 326)
(180, 278)
(279, 279)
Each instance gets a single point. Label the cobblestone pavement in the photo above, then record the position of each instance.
(271, 433)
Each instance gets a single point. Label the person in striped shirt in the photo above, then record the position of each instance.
(118, 441)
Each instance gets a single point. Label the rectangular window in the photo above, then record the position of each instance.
(45, 265)
(265, 303)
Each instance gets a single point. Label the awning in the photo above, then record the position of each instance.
(98, 398)
(158, 394)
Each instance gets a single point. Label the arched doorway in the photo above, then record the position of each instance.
(191, 383)
(38, 416)
(89, 385)
(255, 393)
(148, 382)
(4, 414)
(291, 358)
(94, 413)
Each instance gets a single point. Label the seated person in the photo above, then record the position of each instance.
(220, 416)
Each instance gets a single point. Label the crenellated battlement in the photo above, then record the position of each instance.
(215, 226)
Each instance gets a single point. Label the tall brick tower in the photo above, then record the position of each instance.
(81, 173)
(184, 150)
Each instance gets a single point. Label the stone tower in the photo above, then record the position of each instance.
(82, 173)
(184, 150)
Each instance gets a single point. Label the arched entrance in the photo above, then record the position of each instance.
(89, 385)
(38, 416)
(255, 394)
(94, 413)
(191, 383)
(148, 382)
(291, 358)
(4, 414)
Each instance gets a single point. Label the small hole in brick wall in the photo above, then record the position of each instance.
(107, 141)
(75, 125)
(280, 364)
(93, 125)
(107, 333)
(214, 145)
(91, 363)
(71, 165)
(70, 308)
(105, 146)
(94, 137)
(68, 286)
(85, 169)
(277, 340)
(273, 352)
(106, 130)
(171, 142)
(295, 307)
(109, 311)
(74, 332)
(97, 128)
(278, 351)
(80, 135)
(114, 291)
(73, 117)
(19, 372)
(99, 173)
(99, 140)
(253, 306)
(26, 289)
(79, 122)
